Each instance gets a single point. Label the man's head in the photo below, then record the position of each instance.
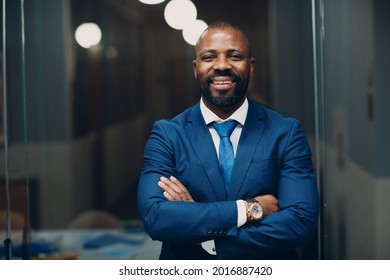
(223, 67)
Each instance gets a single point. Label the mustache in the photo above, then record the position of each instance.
(226, 73)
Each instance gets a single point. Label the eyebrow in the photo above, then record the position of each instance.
(214, 51)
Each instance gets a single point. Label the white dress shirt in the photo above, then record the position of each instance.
(240, 116)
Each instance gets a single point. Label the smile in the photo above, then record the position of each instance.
(222, 84)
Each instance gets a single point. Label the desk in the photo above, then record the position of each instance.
(94, 244)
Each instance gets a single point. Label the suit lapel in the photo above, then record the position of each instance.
(249, 139)
(204, 147)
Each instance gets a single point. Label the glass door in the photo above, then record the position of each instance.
(353, 89)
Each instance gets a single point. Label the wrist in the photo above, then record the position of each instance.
(254, 210)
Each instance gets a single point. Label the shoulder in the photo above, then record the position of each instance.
(270, 116)
(181, 120)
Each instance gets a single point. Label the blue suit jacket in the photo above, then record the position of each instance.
(273, 157)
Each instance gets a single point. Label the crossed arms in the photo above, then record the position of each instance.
(174, 190)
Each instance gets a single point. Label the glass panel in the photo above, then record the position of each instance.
(356, 87)
(317, 10)
(15, 184)
(291, 66)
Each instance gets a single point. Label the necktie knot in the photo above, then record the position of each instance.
(225, 129)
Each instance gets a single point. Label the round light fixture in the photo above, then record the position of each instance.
(180, 13)
(192, 32)
(151, 2)
(88, 35)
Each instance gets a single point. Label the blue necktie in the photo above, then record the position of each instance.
(226, 153)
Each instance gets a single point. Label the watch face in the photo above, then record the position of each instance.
(256, 211)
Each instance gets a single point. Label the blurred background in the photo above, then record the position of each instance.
(84, 80)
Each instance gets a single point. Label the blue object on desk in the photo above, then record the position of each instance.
(107, 240)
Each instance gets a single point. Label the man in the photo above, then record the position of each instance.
(266, 206)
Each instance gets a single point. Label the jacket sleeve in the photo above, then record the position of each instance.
(178, 222)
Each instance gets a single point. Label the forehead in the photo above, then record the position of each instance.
(221, 39)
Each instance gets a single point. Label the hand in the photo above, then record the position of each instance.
(269, 203)
(174, 190)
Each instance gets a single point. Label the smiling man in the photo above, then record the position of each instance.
(223, 67)
(228, 178)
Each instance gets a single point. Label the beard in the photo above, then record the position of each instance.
(223, 100)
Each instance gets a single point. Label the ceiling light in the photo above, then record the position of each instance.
(88, 35)
(193, 31)
(180, 13)
(151, 2)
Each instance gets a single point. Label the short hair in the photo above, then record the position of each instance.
(223, 24)
(220, 24)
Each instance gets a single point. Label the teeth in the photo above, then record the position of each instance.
(222, 82)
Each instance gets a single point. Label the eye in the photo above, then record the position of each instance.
(236, 57)
(207, 58)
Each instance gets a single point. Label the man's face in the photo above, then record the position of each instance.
(223, 67)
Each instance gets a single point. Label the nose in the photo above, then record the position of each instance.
(222, 63)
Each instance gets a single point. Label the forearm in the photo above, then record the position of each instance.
(280, 231)
(294, 225)
(185, 222)
(265, 239)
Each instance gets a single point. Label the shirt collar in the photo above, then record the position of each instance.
(239, 115)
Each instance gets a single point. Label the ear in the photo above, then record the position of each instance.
(194, 68)
(252, 65)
